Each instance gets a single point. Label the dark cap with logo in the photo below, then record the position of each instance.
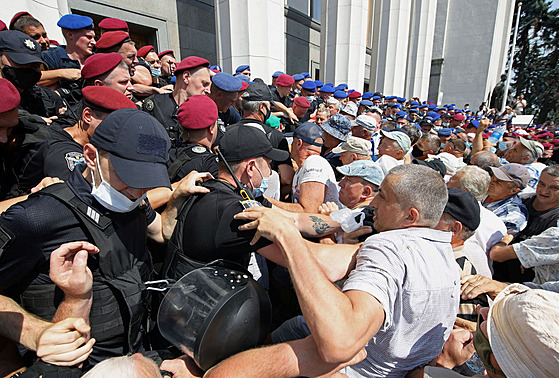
(258, 91)
(463, 207)
(310, 133)
(138, 147)
(244, 142)
(19, 47)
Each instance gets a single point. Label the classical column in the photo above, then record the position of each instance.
(251, 32)
(344, 42)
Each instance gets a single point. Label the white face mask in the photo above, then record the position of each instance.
(110, 198)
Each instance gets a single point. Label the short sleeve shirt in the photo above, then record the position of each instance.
(542, 253)
(413, 274)
(316, 169)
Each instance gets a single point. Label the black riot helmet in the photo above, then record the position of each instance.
(214, 312)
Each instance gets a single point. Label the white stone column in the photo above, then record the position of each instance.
(251, 32)
(421, 48)
(344, 42)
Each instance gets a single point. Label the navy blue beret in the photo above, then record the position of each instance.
(366, 103)
(298, 77)
(309, 85)
(242, 68)
(226, 82)
(445, 132)
(340, 94)
(75, 21)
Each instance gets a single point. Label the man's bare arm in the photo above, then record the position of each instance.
(18, 325)
(311, 196)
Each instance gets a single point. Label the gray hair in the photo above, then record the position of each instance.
(466, 232)
(24, 21)
(485, 160)
(413, 132)
(552, 170)
(474, 180)
(421, 188)
(125, 367)
(251, 106)
(333, 101)
(433, 142)
(531, 157)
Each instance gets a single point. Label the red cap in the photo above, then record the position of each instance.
(145, 50)
(555, 142)
(111, 38)
(2, 25)
(244, 86)
(113, 24)
(302, 102)
(17, 16)
(285, 80)
(547, 146)
(459, 117)
(161, 54)
(106, 99)
(99, 64)
(354, 94)
(10, 96)
(191, 62)
(54, 42)
(197, 112)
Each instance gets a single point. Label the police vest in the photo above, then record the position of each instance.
(164, 109)
(118, 278)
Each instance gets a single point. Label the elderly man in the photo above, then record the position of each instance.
(502, 196)
(428, 144)
(527, 152)
(193, 78)
(354, 149)
(364, 127)
(360, 183)
(386, 305)
(394, 145)
(336, 131)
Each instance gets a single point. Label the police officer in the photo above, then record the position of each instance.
(168, 65)
(59, 150)
(193, 78)
(103, 204)
(198, 118)
(119, 41)
(225, 91)
(20, 63)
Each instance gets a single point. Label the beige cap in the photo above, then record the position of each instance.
(523, 330)
(535, 148)
(356, 145)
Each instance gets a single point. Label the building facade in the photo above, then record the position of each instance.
(447, 51)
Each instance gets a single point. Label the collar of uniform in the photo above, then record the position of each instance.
(81, 188)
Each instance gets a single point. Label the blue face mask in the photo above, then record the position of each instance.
(155, 72)
(263, 185)
(468, 144)
(493, 149)
(503, 146)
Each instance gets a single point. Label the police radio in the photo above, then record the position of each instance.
(244, 191)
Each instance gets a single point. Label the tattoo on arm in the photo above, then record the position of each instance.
(318, 225)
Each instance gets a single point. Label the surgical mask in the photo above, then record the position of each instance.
(110, 198)
(416, 152)
(442, 146)
(483, 349)
(22, 78)
(468, 144)
(155, 72)
(493, 149)
(503, 146)
(446, 124)
(311, 98)
(267, 115)
(263, 185)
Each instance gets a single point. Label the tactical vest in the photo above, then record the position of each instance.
(118, 278)
(164, 109)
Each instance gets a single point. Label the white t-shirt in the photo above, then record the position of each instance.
(387, 163)
(316, 169)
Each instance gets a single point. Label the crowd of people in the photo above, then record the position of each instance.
(378, 235)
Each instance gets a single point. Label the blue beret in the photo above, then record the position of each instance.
(242, 68)
(432, 106)
(396, 105)
(367, 95)
(327, 89)
(401, 114)
(243, 78)
(439, 109)
(444, 132)
(340, 94)
(390, 98)
(75, 21)
(458, 111)
(376, 97)
(226, 82)
(450, 107)
(306, 74)
(414, 103)
(414, 110)
(341, 87)
(414, 107)
(350, 91)
(433, 114)
(298, 77)
(424, 106)
(401, 99)
(318, 83)
(276, 74)
(309, 85)
(366, 103)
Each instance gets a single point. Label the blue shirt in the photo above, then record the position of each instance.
(512, 212)
(57, 58)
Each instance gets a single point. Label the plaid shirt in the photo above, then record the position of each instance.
(512, 212)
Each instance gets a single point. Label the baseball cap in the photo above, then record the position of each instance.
(366, 121)
(20, 48)
(463, 207)
(258, 91)
(513, 172)
(354, 144)
(401, 137)
(366, 169)
(337, 126)
(350, 108)
(244, 142)
(535, 148)
(138, 147)
(309, 133)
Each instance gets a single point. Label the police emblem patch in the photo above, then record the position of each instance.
(73, 159)
(29, 44)
(149, 105)
(198, 149)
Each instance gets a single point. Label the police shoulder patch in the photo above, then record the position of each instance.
(73, 159)
(198, 149)
(149, 105)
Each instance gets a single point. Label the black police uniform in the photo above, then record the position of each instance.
(42, 223)
(163, 107)
(230, 116)
(206, 231)
(192, 157)
(57, 58)
(41, 101)
(287, 100)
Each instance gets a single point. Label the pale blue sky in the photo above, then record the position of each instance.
(555, 4)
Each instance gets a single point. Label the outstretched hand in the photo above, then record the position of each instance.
(189, 184)
(473, 286)
(267, 222)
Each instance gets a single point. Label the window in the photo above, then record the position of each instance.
(316, 9)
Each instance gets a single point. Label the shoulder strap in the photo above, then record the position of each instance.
(175, 167)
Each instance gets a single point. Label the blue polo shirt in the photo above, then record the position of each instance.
(57, 58)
